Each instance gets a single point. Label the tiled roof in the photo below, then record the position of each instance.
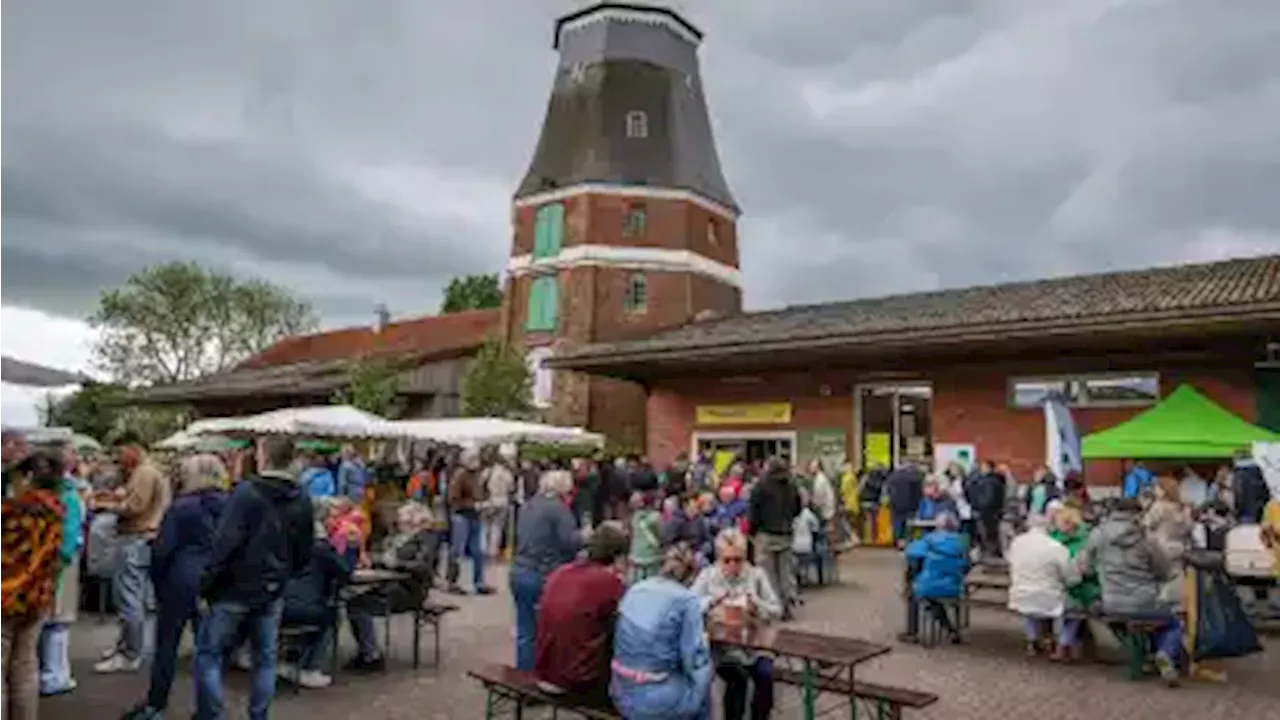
(429, 336)
(318, 363)
(1233, 286)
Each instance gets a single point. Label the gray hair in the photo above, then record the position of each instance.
(947, 521)
(201, 471)
(555, 482)
(1038, 521)
(731, 538)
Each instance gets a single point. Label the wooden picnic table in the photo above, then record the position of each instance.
(377, 576)
(822, 658)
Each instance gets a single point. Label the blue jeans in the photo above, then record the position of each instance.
(130, 587)
(55, 668)
(1168, 639)
(171, 620)
(465, 542)
(526, 590)
(220, 632)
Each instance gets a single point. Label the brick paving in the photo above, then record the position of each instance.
(986, 678)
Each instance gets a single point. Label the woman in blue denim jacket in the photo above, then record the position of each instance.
(662, 667)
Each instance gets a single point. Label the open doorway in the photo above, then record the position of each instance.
(894, 424)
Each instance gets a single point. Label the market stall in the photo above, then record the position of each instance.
(494, 431)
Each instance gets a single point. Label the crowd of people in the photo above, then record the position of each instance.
(236, 546)
(1071, 559)
(615, 565)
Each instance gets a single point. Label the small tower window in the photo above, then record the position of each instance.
(636, 222)
(544, 304)
(636, 299)
(548, 231)
(637, 125)
(713, 239)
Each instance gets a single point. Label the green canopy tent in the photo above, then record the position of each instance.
(1185, 425)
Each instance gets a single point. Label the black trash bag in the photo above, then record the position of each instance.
(1222, 629)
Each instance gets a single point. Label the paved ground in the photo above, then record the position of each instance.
(987, 678)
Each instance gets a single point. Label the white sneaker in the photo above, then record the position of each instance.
(314, 679)
(242, 660)
(118, 663)
(288, 671)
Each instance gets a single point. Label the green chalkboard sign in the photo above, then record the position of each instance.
(828, 445)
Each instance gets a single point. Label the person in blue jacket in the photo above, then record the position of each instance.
(935, 502)
(1138, 478)
(317, 479)
(55, 636)
(178, 556)
(939, 562)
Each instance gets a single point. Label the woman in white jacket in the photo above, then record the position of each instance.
(1040, 571)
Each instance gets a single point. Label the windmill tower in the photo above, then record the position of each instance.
(624, 224)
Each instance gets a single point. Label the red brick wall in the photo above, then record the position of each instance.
(969, 406)
(592, 299)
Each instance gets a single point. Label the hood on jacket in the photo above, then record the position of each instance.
(277, 486)
(1122, 529)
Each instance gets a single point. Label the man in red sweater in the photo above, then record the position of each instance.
(575, 618)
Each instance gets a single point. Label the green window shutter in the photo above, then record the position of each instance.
(548, 232)
(544, 304)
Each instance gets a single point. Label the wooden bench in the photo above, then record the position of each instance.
(507, 688)
(429, 615)
(887, 702)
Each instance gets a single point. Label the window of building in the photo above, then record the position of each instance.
(637, 125)
(636, 221)
(548, 231)
(636, 299)
(1110, 390)
(544, 304)
(542, 378)
(713, 239)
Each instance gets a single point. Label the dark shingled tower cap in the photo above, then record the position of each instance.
(616, 60)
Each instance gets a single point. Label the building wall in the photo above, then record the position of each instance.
(591, 299)
(970, 405)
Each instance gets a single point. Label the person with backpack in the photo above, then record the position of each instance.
(33, 553)
(264, 537)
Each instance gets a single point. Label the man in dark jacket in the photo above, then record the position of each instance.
(264, 537)
(904, 488)
(1249, 487)
(985, 492)
(775, 503)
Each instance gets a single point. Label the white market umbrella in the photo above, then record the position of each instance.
(495, 431)
(337, 421)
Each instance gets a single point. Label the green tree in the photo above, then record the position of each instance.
(102, 411)
(178, 321)
(472, 292)
(372, 386)
(497, 383)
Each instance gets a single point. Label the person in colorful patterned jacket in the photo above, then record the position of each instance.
(55, 663)
(32, 542)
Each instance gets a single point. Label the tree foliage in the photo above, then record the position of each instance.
(178, 321)
(497, 384)
(472, 292)
(372, 386)
(102, 411)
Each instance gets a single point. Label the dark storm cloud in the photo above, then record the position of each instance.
(365, 153)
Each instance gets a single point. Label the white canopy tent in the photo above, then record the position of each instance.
(331, 421)
(494, 431)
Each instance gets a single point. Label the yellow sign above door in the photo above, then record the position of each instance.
(743, 414)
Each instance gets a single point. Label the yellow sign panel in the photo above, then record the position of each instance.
(744, 414)
(877, 450)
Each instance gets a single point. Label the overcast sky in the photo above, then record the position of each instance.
(366, 152)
